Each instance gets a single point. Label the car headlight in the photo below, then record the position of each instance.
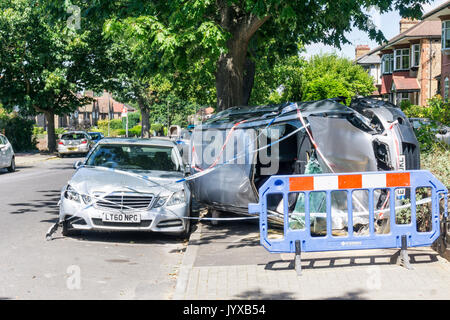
(71, 194)
(160, 202)
(176, 198)
(86, 199)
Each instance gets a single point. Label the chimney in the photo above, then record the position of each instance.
(361, 50)
(407, 23)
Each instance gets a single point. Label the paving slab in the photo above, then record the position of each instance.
(226, 261)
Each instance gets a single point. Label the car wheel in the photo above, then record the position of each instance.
(12, 167)
(60, 155)
(68, 231)
(187, 231)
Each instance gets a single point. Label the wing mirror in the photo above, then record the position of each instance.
(77, 164)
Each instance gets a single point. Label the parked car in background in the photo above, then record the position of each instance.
(96, 136)
(128, 184)
(74, 142)
(7, 157)
(442, 131)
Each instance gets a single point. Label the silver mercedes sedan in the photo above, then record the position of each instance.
(128, 184)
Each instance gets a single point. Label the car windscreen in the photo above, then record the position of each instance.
(73, 136)
(134, 157)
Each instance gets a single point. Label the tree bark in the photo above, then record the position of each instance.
(249, 79)
(145, 114)
(51, 136)
(230, 75)
(235, 71)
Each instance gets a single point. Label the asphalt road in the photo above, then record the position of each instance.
(125, 265)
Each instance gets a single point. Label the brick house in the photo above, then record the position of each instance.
(371, 62)
(441, 16)
(101, 108)
(411, 63)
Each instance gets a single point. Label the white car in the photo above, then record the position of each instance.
(7, 157)
(128, 184)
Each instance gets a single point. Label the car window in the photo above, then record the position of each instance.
(73, 136)
(2, 140)
(95, 135)
(134, 157)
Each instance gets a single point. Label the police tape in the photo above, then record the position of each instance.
(54, 227)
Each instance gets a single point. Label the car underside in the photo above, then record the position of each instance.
(368, 135)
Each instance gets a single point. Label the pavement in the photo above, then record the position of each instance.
(27, 158)
(227, 262)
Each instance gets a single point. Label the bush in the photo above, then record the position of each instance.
(135, 131)
(38, 131)
(133, 120)
(59, 130)
(437, 111)
(436, 161)
(19, 132)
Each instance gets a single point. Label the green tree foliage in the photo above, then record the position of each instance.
(224, 39)
(320, 77)
(438, 113)
(329, 76)
(41, 66)
(18, 130)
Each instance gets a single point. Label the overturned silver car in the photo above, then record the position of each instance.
(242, 147)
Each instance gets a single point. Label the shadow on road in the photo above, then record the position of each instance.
(48, 203)
(126, 237)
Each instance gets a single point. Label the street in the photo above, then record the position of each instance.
(93, 266)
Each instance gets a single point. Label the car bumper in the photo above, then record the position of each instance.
(73, 149)
(164, 219)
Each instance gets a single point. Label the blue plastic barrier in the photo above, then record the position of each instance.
(399, 236)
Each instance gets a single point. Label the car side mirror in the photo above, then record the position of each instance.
(77, 164)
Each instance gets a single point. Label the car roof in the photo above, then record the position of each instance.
(155, 141)
(68, 132)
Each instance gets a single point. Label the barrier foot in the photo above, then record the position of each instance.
(403, 258)
(298, 260)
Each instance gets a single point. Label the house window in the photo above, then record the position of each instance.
(446, 89)
(445, 35)
(401, 61)
(386, 63)
(402, 96)
(415, 55)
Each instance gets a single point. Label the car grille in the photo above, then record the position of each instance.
(125, 201)
(142, 224)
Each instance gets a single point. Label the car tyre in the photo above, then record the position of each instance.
(12, 167)
(187, 231)
(68, 231)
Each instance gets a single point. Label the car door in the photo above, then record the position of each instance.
(9, 152)
(3, 152)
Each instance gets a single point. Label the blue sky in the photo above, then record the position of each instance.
(388, 23)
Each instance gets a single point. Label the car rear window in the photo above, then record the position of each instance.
(73, 136)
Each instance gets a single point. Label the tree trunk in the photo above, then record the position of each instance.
(230, 75)
(145, 114)
(51, 136)
(249, 78)
(235, 72)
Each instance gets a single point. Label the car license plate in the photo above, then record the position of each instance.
(121, 217)
(73, 149)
